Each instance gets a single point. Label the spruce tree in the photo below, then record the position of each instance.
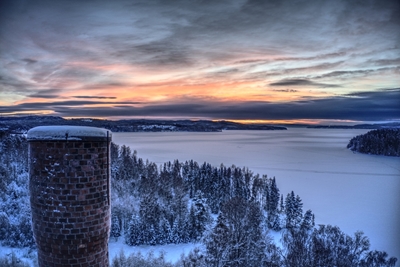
(308, 221)
(272, 205)
(134, 234)
(202, 213)
(293, 210)
(115, 227)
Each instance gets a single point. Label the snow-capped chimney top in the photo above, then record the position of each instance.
(66, 132)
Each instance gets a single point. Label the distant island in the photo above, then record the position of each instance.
(21, 124)
(358, 126)
(378, 142)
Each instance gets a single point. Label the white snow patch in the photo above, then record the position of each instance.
(61, 132)
(156, 126)
(172, 252)
(26, 255)
(276, 237)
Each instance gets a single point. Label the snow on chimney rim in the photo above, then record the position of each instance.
(67, 132)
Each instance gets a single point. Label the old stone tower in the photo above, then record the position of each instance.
(69, 180)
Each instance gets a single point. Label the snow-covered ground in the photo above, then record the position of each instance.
(172, 253)
(25, 254)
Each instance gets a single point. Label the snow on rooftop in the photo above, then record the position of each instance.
(65, 132)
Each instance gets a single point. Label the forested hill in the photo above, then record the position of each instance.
(378, 142)
(24, 123)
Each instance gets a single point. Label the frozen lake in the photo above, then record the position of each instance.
(352, 191)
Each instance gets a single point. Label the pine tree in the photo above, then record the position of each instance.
(308, 221)
(192, 223)
(298, 211)
(272, 205)
(134, 234)
(293, 210)
(175, 236)
(200, 216)
(115, 228)
(165, 231)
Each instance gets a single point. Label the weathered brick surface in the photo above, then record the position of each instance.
(70, 202)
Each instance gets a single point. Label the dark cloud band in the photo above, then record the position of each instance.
(363, 106)
(301, 82)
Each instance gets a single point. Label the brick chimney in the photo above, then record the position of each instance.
(69, 182)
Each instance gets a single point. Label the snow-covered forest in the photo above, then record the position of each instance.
(230, 210)
(378, 142)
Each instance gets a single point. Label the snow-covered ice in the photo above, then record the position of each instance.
(350, 190)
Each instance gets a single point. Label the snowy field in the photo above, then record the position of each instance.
(352, 191)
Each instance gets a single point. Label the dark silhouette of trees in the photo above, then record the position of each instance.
(379, 142)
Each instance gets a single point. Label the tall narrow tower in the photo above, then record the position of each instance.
(69, 182)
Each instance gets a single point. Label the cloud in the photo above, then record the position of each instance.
(362, 106)
(51, 106)
(284, 71)
(355, 73)
(47, 93)
(40, 95)
(385, 62)
(96, 97)
(301, 82)
(285, 90)
(162, 45)
(264, 60)
(29, 60)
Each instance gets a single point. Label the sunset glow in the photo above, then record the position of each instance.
(248, 61)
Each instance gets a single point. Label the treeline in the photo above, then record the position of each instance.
(378, 142)
(174, 203)
(229, 210)
(21, 124)
(325, 246)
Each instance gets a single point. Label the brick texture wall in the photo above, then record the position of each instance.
(70, 202)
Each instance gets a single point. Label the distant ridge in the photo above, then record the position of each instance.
(21, 124)
(358, 126)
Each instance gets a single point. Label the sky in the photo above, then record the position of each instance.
(335, 61)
